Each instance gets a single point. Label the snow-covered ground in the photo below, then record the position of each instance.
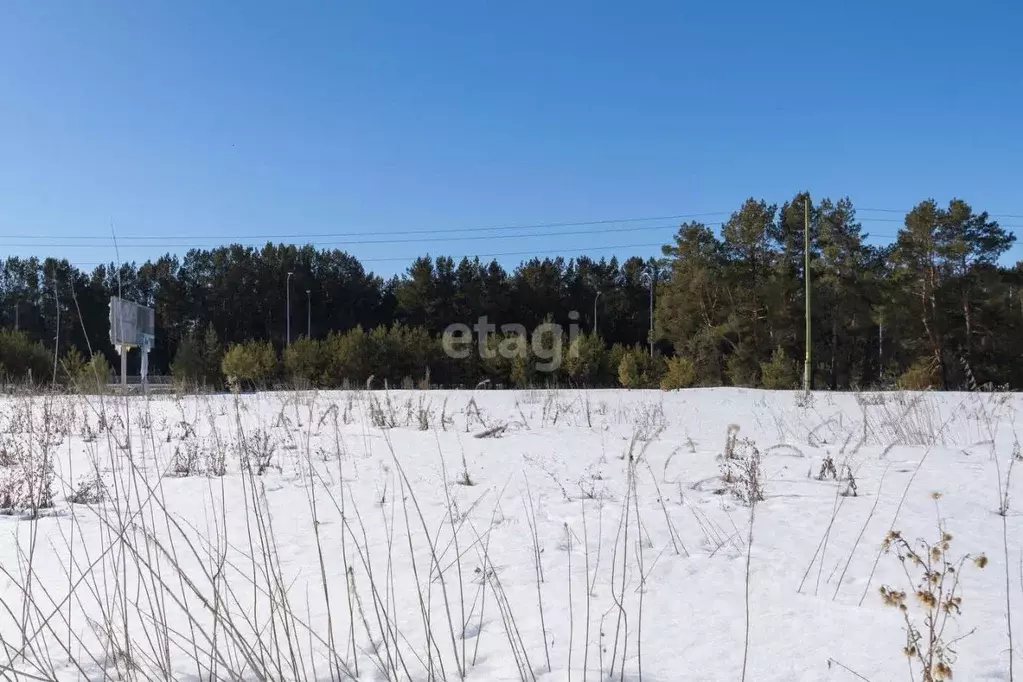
(501, 535)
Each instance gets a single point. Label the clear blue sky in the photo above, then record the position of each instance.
(202, 122)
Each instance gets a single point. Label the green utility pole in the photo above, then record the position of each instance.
(806, 277)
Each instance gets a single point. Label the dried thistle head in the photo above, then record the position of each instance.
(892, 597)
(890, 537)
(927, 598)
(980, 561)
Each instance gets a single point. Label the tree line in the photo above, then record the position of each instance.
(934, 308)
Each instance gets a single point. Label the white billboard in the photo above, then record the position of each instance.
(131, 324)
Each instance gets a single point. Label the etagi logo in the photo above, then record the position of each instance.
(546, 341)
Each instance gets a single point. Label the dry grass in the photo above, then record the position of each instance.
(148, 596)
(153, 597)
(933, 577)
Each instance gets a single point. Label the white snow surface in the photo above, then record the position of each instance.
(180, 573)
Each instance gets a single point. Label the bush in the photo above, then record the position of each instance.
(411, 351)
(523, 374)
(305, 361)
(198, 358)
(71, 366)
(741, 367)
(614, 360)
(780, 373)
(652, 368)
(252, 363)
(21, 359)
(495, 366)
(679, 373)
(585, 360)
(346, 357)
(921, 375)
(636, 369)
(628, 371)
(94, 375)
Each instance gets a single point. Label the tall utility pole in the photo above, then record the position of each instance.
(651, 274)
(595, 299)
(880, 344)
(806, 277)
(309, 314)
(56, 339)
(288, 307)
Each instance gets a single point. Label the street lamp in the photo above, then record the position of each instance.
(288, 308)
(595, 299)
(309, 314)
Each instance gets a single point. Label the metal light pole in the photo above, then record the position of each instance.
(596, 298)
(309, 314)
(288, 309)
(806, 277)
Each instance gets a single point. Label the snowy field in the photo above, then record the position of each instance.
(520, 535)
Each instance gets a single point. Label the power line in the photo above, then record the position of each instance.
(581, 250)
(418, 235)
(531, 252)
(305, 235)
(356, 242)
(441, 240)
(394, 241)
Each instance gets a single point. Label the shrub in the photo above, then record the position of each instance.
(741, 367)
(94, 375)
(652, 369)
(198, 358)
(305, 360)
(346, 357)
(253, 363)
(495, 365)
(920, 376)
(679, 373)
(780, 373)
(585, 360)
(522, 372)
(410, 352)
(22, 359)
(71, 366)
(628, 371)
(547, 352)
(614, 359)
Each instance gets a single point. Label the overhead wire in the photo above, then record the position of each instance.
(497, 255)
(420, 235)
(428, 236)
(304, 238)
(497, 228)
